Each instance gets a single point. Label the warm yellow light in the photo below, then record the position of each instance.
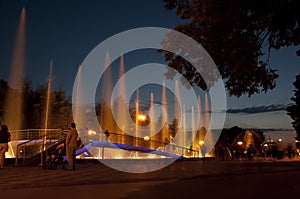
(201, 142)
(146, 138)
(240, 143)
(91, 132)
(279, 140)
(142, 117)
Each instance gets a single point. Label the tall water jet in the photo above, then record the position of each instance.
(193, 129)
(47, 110)
(137, 112)
(200, 113)
(80, 109)
(13, 112)
(106, 117)
(152, 116)
(177, 102)
(122, 106)
(184, 128)
(164, 132)
(77, 97)
(48, 96)
(207, 113)
(208, 137)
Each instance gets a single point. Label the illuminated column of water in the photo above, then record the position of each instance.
(13, 112)
(77, 94)
(106, 118)
(79, 110)
(47, 110)
(193, 128)
(164, 136)
(208, 136)
(152, 117)
(184, 129)
(48, 96)
(207, 114)
(177, 102)
(122, 106)
(137, 112)
(200, 113)
(200, 125)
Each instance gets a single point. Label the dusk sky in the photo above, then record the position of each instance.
(66, 31)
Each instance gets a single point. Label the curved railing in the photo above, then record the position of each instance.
(32, 142)
(138, 142)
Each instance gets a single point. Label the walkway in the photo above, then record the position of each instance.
(182, 179)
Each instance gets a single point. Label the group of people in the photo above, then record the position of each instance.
(71, 144)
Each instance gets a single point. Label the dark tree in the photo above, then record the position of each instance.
(60, 109)
(239, 36)
(294, 110)
(3, 90)
(173, 128)
(28, 105)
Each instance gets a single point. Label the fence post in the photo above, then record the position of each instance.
(24, 153)
(42, 150)
(16, 160)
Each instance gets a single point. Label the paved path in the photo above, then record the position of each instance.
(182, 179)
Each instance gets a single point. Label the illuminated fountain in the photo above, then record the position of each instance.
(13, 112)
(106, 119)
(137, 112)
(122, 104)
(164, 119)
(13, 109)
(119, 132)
(152, 116)
(48, 96)
(140, 129)
(180, 135)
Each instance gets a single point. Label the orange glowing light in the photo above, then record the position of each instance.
(142, 117)
(91, 132)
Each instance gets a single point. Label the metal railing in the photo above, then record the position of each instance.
(151, 144)
(35, 141)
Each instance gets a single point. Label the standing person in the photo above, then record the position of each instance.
(4, 139)
(71, 143)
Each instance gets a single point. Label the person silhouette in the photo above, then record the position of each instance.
(4, 139)
(71, 144)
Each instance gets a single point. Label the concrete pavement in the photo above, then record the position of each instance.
(188, 178)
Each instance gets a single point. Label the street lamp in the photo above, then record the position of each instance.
(240, 143)
(142, 117)
(146, 138)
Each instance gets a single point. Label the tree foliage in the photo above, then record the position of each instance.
(173, 128)
(34, 106)
(294, 110)
(239, 35)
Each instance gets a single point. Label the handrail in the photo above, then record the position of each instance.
(119, 138)
(24, 143)
(39, 143)
(39, 140)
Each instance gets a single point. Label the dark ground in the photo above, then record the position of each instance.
(182, 179)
